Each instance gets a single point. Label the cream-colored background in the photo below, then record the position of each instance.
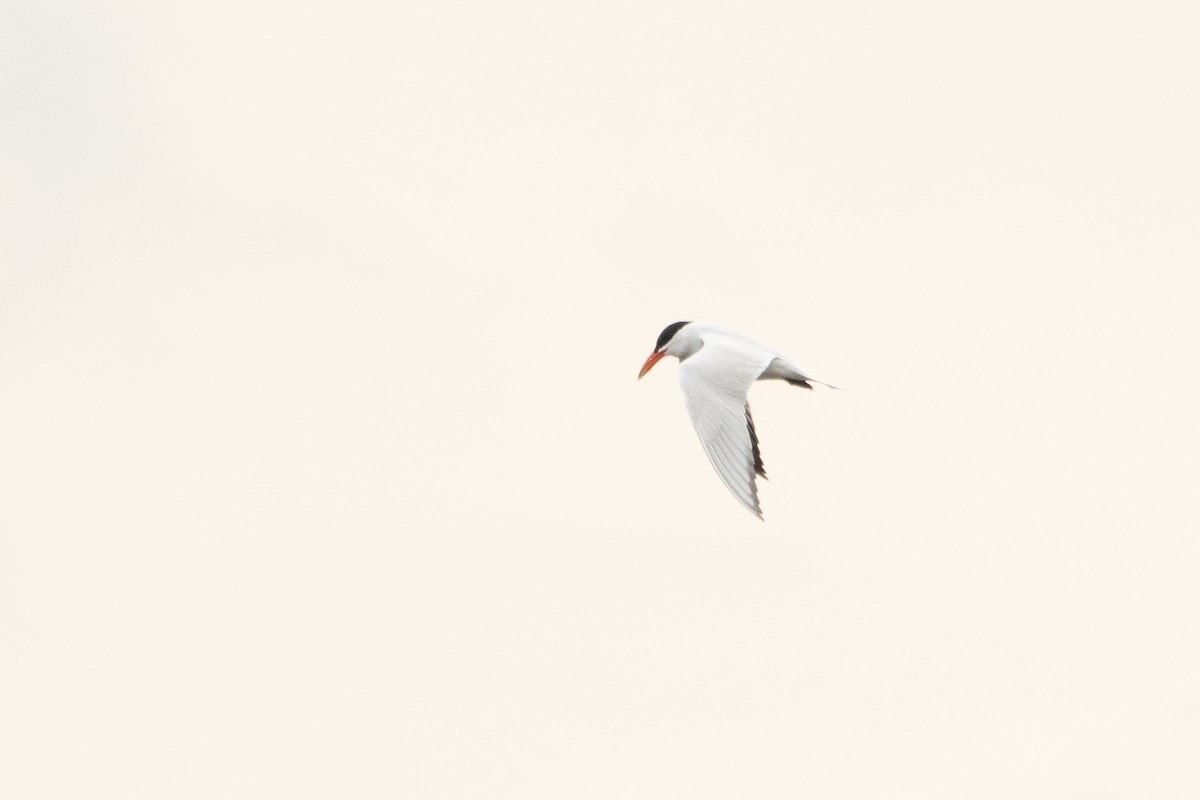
(325, 472)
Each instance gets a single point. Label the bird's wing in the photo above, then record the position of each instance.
(715, 381)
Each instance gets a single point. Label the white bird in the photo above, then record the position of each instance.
(716, 368)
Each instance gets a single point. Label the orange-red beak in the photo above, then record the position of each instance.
(650, 362)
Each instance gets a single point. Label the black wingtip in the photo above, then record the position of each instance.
(759, 469)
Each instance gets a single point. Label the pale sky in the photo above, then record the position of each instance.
(326, 472)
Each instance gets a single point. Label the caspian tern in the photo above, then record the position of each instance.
(716, 368)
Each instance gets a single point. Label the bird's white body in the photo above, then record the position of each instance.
(717, 367)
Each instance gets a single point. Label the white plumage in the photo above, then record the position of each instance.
(717, 367)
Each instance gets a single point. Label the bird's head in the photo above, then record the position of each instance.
(673, 341)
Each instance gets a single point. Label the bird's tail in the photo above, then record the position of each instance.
(780, 369)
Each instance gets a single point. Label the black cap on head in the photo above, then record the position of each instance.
(668, 333)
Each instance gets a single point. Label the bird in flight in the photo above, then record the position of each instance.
(716, 368)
